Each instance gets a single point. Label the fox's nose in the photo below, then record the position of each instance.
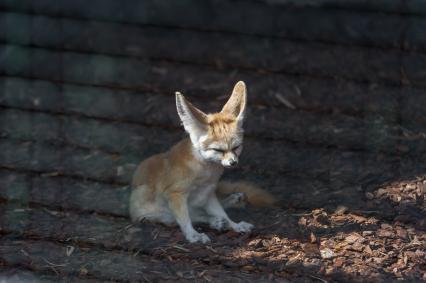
(233, 162)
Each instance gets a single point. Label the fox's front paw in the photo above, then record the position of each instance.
(197, 237)
(238, 197)
(234, 200)
(242, 227)
(218, 223)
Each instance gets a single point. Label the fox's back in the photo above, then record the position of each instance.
(176, 166)
(147, 171)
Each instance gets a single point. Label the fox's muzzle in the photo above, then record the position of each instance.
(230, 162)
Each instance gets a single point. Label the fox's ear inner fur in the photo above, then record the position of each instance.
(236, 104)
(194, 120)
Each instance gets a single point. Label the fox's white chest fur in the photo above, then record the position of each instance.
(203, 185)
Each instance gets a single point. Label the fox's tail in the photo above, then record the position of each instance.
(255, 195)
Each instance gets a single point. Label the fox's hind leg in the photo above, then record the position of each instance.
(137, 208)
(143, 205)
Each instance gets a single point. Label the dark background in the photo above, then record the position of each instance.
(335, 128)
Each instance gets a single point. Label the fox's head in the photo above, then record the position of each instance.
(218, 137)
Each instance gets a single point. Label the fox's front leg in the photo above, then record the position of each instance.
(219, 218)
(179, 206)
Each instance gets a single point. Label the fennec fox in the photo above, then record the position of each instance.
(182, 185)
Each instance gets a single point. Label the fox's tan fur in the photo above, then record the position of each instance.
(254, 195)
(182, 185)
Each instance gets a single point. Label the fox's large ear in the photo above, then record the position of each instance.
(194, 120)
(236, 104)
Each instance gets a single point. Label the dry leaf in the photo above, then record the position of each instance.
(313, 238)
(326, 253)
(83, 270)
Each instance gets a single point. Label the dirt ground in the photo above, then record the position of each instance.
(382, 241)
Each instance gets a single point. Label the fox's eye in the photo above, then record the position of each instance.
(218, 150)
(235, 147)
